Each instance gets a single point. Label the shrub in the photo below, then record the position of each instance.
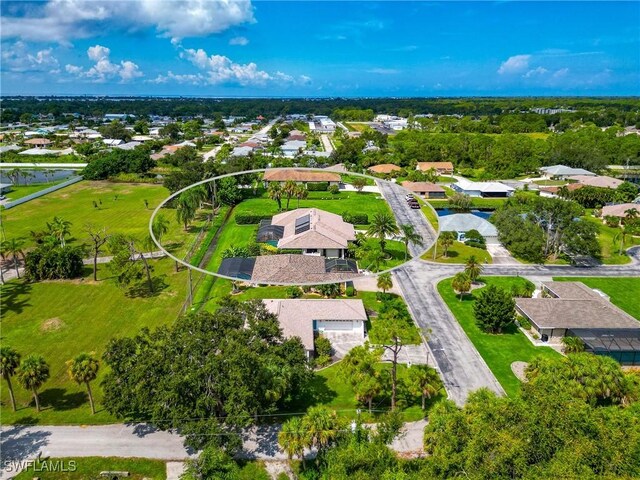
(248, 219)
(524, 323)
(356, 218)
(317, 186)
(322, 346)
(612, 221)
(350, 291)
(334, 189)
(494, 309)
(476, 244)
(293, 292)
(52, 263)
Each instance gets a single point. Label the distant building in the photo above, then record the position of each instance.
(109, 117)
(601, 181)
(300, 176)
(461, 223)
(442, 168)
(426, 189)
(619, 210)
(322, 124)
(384, 168)
(483, 189)
(562, 171)
(38, 142)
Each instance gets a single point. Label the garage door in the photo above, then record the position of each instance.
(334, 325)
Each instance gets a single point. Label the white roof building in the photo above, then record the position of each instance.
(564, 171)
(463, 222)
(483, 189)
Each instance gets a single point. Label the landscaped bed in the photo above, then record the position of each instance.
(498, 351)
(457, 253)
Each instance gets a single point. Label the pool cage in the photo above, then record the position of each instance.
(621, 344)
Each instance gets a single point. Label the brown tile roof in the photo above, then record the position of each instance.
(602, 181)
(620, 209)
(423, 187)
(577, 306)
(296, 316)
(326, 230)
(294, 269)
(554, 189)
(384, 168)
(38, 141)
(282, 175)
(440, 166)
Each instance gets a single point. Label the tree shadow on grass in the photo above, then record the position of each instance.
(15, 296)
(316, 393)
(59, 399)
(141, 289)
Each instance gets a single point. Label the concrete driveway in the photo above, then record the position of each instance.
(501, 255)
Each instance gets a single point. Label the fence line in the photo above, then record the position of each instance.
(41, 193)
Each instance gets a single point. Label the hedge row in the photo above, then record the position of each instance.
(251, 219)
(317, 186)
(356, 218)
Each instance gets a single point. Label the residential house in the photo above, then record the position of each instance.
(442, 168)
(562, 171)
(291, 148)
(461, 223)
(283, 175)
(426, 189)
(601, 181)
(619, 210)
(38, 142)
(384, 168)
(483, 189)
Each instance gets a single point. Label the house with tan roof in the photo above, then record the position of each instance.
(601, 181)
(304, 318)
(426, 189)
(384, 168)
(619, 210)
(311, 230)
(573, 309)
(283, 175)
(442, 168)
(38, 142)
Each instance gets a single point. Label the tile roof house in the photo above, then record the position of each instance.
(440, 167)
(619, 210)
(38, 142)
(303, 318)
(300, 176)
(572, 308)
(314, 231)
(601, 181)
(384, 168)
(427, 189)
(562, 171)
(302, 269)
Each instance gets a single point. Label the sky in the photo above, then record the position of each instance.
(319, 48)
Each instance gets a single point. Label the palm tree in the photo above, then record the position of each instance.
(461, 283)
(572, 345)
(424, 380)
(631, 213)
(59, 228)
(160, 227)
(13, 247)
(9, 362)
(301, 193)
(373, 257)
(289, 190)
(293, 439)
(84, 369)
(383, 225)
(321, 425)
(385, 282)
(446, 240)
(409, 235)
(187, 207)
(473, 268)
(33, 372)
(275, 193)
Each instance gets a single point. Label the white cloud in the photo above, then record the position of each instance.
(17, 58)
(563, 72)
(241, 41)
(104, 69)
(221, 70)
(514, 64)
(536, 72)
(179, 78)
(62, 20)
(384, 71)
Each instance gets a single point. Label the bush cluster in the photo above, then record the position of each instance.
(248, 219)
(356, 218)
(318, 186)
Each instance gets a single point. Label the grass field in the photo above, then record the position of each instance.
(90, 467)
(19, 191)
(121, 209)
(458, 253)
(623, 291)
(610, 239)
(476, 202)
(498, 351)
(59, 319)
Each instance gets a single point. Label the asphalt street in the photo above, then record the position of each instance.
(395, 197)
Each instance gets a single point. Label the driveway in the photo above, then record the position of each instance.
(395, 197)
(501, 255)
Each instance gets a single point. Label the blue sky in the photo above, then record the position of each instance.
(319, 48)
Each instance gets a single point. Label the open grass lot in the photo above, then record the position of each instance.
(90, 467)
(60, 319)
(499, 351)
(330, 388)
(431, 215)
(125, 214)
(356, 126)
(457, 253)
(624, 292)
(610, 239)
(19, 191)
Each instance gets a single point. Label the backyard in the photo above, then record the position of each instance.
(60, 319)
(498, 351)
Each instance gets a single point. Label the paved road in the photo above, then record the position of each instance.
(461, 367)
(326, 142)
(395, 197)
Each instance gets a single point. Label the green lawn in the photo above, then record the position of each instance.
(19, 191)
(59, 319)
(90, 467)
(623, 291)
(457, 253)
(431, 215)
(610, 238)
(499, 351)
(476, 202)
(125, 214)
(329, 387)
